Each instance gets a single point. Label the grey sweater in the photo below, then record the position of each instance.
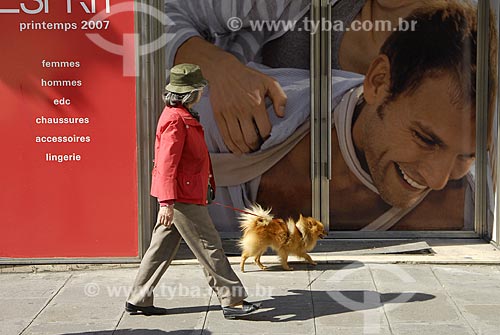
(275, 48)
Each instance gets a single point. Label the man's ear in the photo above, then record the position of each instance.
(377, 81)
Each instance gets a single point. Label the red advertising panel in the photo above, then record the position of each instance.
(67, 129)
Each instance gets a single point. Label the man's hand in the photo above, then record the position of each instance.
(166, 215)
(237, 95)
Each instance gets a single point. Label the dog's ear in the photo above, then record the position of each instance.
(310, 223)
(301, 218)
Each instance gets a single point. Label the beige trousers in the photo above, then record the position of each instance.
(194, 225)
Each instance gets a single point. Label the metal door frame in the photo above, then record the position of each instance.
(321, 121)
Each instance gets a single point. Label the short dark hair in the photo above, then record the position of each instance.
(444, 41)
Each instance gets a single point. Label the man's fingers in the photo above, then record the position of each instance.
(251, 134)
(261, 119)
(240, 112)
(278, 97)
(236, 134)
(225, 132)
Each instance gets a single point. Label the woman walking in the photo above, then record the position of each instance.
(181, 182)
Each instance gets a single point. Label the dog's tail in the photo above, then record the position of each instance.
(256, 216)
(291, 226)
(292, 229)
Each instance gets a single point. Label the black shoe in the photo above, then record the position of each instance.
(149, 310)
(234, 312)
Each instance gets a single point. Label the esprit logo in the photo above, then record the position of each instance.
(34, 7)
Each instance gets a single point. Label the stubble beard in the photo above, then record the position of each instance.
(381, 171)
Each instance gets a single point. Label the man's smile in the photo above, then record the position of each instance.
(409, 180)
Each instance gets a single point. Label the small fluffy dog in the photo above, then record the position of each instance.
(261, 230)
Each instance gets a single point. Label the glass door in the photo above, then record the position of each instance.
(409, 127)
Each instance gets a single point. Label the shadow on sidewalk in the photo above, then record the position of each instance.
(142, 332)
(302, 305)
(297, 306)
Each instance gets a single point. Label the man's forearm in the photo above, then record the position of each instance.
(198, 51)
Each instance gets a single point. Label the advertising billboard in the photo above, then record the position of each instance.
(403, 108)
(68, 129)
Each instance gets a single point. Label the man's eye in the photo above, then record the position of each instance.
(425, 140)
(467, 158)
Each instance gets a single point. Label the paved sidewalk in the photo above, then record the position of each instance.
(354, 298)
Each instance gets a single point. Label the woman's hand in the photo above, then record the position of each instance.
(166, 215)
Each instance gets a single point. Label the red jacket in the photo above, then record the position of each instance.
(182, 168)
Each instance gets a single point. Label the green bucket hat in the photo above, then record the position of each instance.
(185, 78)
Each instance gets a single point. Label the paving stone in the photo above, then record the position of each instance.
(105, 285)
(94, 292)
(23, 296)
(434, 329)
(473, 293)
(429, 307)
(87, 303)
(470, 284)
(355, 271)
(104, 327)
(273, 271)
(184, 315)
(143, 331)
(14, 325)
(189, 284)
(31, 285)
(404, 278)
(466, 273)
(349, 313)
(104, 276)
(85, 312)
(368, 330)
(363, 299)
(286, 303)
(331, 291)
(342, 299)
(487, 330)
(275, 284)
(187, 298)
(15, 310)
(229, 332)
(276, 319)
(485, 319)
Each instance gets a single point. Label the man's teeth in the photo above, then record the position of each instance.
(411, 181)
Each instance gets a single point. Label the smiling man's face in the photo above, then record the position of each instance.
(418, 141)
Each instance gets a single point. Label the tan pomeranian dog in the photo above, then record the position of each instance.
(261, 230)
